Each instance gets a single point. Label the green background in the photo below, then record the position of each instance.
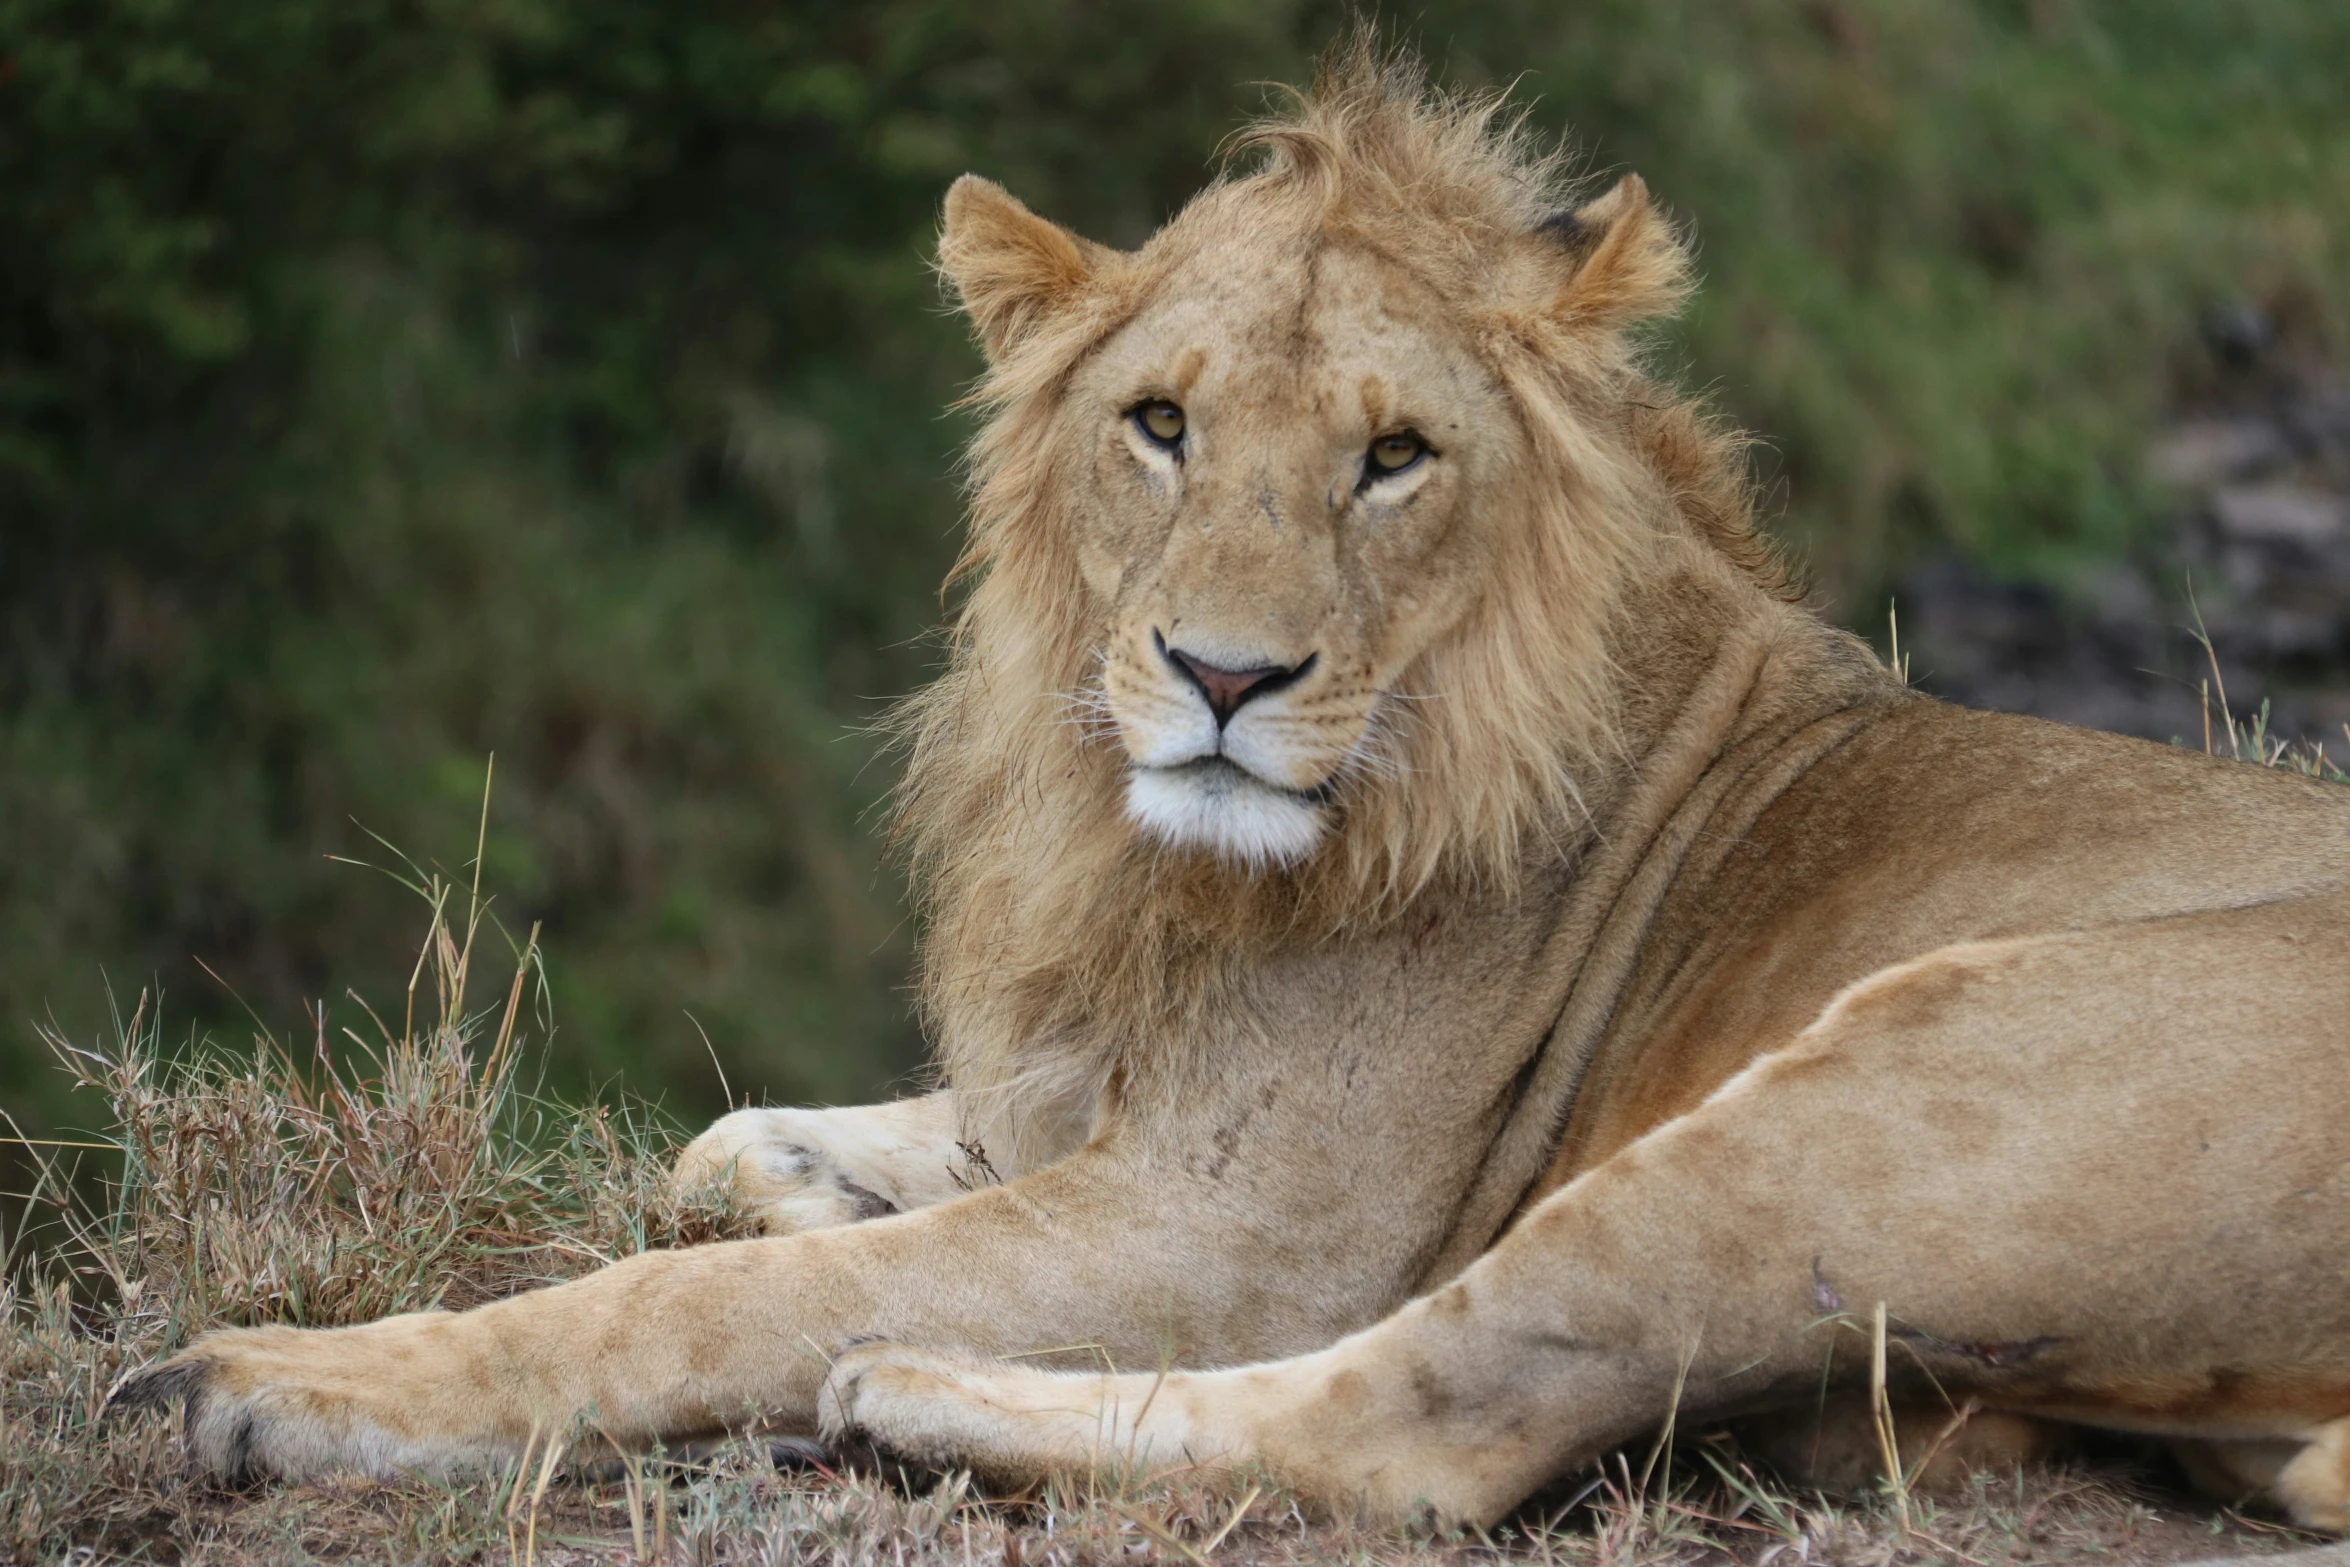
(386, 385)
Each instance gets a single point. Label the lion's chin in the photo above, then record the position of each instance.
(1215, 806)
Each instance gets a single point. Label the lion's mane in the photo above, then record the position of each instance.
(1063, 953)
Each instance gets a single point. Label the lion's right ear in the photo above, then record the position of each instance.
(1012, 269)
(1613, 261)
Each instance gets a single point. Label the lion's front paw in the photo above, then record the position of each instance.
(776, 1165)
(1012, 1424)
(293, 1403)
(906, 1402)
(1009, 1423)
(248, 1409)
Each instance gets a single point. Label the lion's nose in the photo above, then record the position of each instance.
(1227, 689)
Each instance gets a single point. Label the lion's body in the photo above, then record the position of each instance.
(1929, 827)
(1464, 881)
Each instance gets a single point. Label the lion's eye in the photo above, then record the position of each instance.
(1161, 420)
(1394, 453)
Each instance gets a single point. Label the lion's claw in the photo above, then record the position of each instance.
(158, 1384)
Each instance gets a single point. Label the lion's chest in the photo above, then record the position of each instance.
(1368, 1078)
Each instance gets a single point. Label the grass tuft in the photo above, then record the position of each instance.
(362, 1174)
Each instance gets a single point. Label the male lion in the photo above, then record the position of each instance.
(1419, 920)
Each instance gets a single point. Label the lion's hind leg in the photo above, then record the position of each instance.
(1833, 1444)
(2306, 1476)
(2309, 1478)
(2315, 1486)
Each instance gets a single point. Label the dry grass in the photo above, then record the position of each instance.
(2248, 739)
(408, 1166)
(359, 1175)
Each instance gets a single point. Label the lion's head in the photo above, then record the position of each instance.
(1296, 537)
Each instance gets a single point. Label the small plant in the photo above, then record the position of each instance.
(2248, 739)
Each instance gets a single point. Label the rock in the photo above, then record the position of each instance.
(2250, 593)
(2204, 452)
(2240, 333)
(2284, 513)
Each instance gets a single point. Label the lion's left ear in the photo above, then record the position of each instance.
(1616, 260)
(1012, 269)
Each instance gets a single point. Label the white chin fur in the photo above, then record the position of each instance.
(1218, 807)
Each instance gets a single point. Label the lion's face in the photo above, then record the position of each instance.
(1278, 464)
(1313, 507)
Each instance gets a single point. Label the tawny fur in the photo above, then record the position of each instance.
(1643, 986)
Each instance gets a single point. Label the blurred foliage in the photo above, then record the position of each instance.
(387, 385)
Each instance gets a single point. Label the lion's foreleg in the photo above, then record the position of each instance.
(1455, 1407)
(1412, 1418)
(650, 1348)
(691, 1343)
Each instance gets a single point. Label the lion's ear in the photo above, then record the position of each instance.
(1012, 269)
(1619, 260)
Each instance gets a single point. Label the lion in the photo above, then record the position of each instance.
(1441, 963)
